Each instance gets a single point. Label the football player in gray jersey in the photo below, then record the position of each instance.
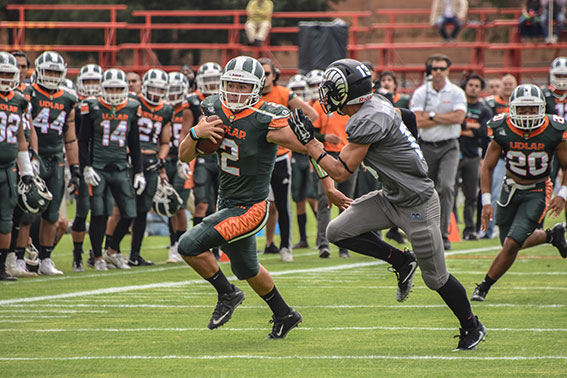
(379, 139)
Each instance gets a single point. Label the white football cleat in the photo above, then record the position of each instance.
(115, 260)
(286, 255)
(100, 265)
(174, 257)
(47, 267)
(23, 269)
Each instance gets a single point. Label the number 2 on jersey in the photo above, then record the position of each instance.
(229, 144)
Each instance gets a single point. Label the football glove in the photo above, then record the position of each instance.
(301, 126)
(156, 166)
(183, 170)
(139, 183)
(75, 181)
(90, 176)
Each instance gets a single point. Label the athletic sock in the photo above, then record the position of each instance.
(20, 253)
(45, 252)
(107, 241)
(276, 302)
(77, 251)
(3, 255)
(138, 230)
(220, 283)
(178, 235)
(171, 232)
(96, 234)
(370, 244)
(119, 232)
(197, 220)
(455, 296)
(301, 222)
(487, 282)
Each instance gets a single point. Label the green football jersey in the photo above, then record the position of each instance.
(246, 158)
(151, 121)
(109, 144)
(12, 113)
(194, 101)
(176, 126)
(401, 101)
(497, 104)
(26, 90)
(555, 104)
(528, 155)
(49, 114)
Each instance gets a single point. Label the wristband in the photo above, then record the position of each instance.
(320, 172)
(562, 192)
(321, 156)
(193, 134)
(487, 199)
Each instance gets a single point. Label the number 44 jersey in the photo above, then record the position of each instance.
(528, 154)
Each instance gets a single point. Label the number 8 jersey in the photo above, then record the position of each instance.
(528, 154)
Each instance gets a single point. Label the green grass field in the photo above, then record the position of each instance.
(152, 321)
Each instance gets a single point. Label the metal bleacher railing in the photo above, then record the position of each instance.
(372, 35)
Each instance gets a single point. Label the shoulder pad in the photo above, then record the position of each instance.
(497, 121)
(490, 101)
(270, 111)
(210, 105)
(70, 95)
(557, 122)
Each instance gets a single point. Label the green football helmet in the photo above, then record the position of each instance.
(50, 70)
(9, 65)
(154, 86)
(527, 95)
(166, 200)
(246, 70)
(34, 197)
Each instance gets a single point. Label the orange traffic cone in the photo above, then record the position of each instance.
(454, 235)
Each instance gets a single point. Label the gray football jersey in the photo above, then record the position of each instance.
(394, 154)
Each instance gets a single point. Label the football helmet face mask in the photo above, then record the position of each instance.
(89, 79)
(527, 95)
(246, 70)
(345, 82)
(208, 78)
(10, 78)
(35, 197)
(298, 84)
(114, 87)
(166, 201)
(177, 88)
(154, 86)
(314, 78)
(50, 70)
(558, 73)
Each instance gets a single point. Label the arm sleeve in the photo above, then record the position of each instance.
(409, 120)
(134, 145)
(85, 136)
(460, 100)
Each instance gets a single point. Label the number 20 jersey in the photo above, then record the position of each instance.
(111, 126)
(528, 155)
(49, 114)
(246, 158)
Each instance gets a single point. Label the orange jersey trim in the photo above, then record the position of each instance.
(152, 108)
(548, 193)
(232, 227)
(59, 92)
(182, 106)
(201, 96)
(242, 114)
(522, 133)
(8, 97)
(117, 108)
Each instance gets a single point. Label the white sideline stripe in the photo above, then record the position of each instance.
(372, 328)
(297, 357)
(192, 282)
(153, 305)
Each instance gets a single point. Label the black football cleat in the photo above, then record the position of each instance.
(301, 244)
(558, 239)
(283, 325)
(139, 261)
(395, 234)
(479, 293)
(271, 249)
(405, 275)
(226, 305)
(469, 339)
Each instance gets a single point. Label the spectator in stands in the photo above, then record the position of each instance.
(444, 12)
(530, 20)
(440, 108)
(558, 18)
(134, 82)
(259, 21)
(473, 136)
(494, 86)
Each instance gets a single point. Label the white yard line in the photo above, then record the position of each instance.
(460, 357)
(230, 329)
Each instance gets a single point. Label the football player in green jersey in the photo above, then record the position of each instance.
(246, 159)
(109, 134)
(88, 87)
(53, 116)
(528, 138)
(154, 126)
(13, 146)
(178, 173)
(556, 93)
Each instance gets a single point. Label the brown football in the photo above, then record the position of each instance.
(206, 146)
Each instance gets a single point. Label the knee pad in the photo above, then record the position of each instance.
(79, 224)
(333, 232)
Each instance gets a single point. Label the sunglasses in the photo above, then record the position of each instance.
(439, 68)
